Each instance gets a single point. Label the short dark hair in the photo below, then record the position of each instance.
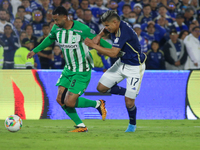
(28, 25)
(2, 9)
(146, 5)
(109, 15)
(45, 25)
(60, 10)
(195, 28)
(126, 5)
(21, 7)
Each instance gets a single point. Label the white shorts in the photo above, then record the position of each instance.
(120, 71)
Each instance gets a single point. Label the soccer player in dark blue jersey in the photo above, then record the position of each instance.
(130, 65)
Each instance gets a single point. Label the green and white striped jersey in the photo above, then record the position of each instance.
(75, 52)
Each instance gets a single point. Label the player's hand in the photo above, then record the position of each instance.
(30, 54)
(89, 42)
(196, 64)
(177, 63)
(96, 39)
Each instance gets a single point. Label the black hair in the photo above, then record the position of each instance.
(60, 10)
(109, 15)
(21, 7)
(126, 5)
(181, 33)
(28, 25)
(195, 28)
(45, 25)
(146, 5)
(2, 9)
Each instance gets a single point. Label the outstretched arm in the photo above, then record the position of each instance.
(111, 52)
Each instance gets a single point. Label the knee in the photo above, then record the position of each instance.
(69, 104)
(102, 90)
(58, 99)
(130, 103)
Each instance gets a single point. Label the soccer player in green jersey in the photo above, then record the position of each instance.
(77, 72)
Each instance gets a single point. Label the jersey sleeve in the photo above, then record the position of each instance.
(47, 41)
(120, 41)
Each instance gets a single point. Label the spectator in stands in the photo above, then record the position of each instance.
(10, 45)
(21, 14)
(175, 52)
(188, 16)
(154, 8)
(20, 57)
(192, 25)
(172, 10)
(193, 48)
(15, 3)
(67, 5)
(9, 18)
(57, 58)
(56, 3)
(98, 9)
(27, 6)
(88, 21)
(75, 4)
(126, 10)
(92, 3)
(80, 15)
(37, 23)
(185, 4)
(179, 24)
(146, 16)
(112, 5)
(3, 21)
(178, 4)
(84, 4)
(155, 57)
(163, 13)
(122, 3)
(132, 18)
(101, 62)
(18, 26)
(1, 54)
(46, 54)
(5, 4)
(138, 9)
(143, 42)
(46, 5)
(48, 16)
(195, 4)
(23, 35)
(29, 32)
(154, 33)
(183, 34)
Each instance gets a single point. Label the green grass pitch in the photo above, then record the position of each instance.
(49, 134)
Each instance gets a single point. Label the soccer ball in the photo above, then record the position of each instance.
(13, 123)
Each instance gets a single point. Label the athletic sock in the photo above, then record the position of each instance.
(132, 114)
(118, 90)
(71, 112)
(84, 103)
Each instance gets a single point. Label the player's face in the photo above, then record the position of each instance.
(111, 26)
(59, 20)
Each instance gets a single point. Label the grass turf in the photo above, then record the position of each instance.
(48, 134)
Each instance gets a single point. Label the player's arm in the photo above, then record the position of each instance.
(45, 43)
(111, 52)
(89, 33)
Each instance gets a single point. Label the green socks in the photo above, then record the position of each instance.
(71, 112)
(84, 103)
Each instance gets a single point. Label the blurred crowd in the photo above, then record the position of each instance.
(168, 31)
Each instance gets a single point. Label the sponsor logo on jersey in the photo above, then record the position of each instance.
(78, 31)
(69, 46)
(116, 40)
(59, 29)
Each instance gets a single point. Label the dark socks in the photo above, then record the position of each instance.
(117, 90)
(132, 114)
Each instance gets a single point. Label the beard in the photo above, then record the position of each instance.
(2, 18)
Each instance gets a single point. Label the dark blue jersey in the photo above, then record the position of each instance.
(127, 40)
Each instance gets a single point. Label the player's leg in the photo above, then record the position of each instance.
(109, 80)
(134, 77)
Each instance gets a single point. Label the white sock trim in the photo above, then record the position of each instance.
(81, 125)
(98, 104)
